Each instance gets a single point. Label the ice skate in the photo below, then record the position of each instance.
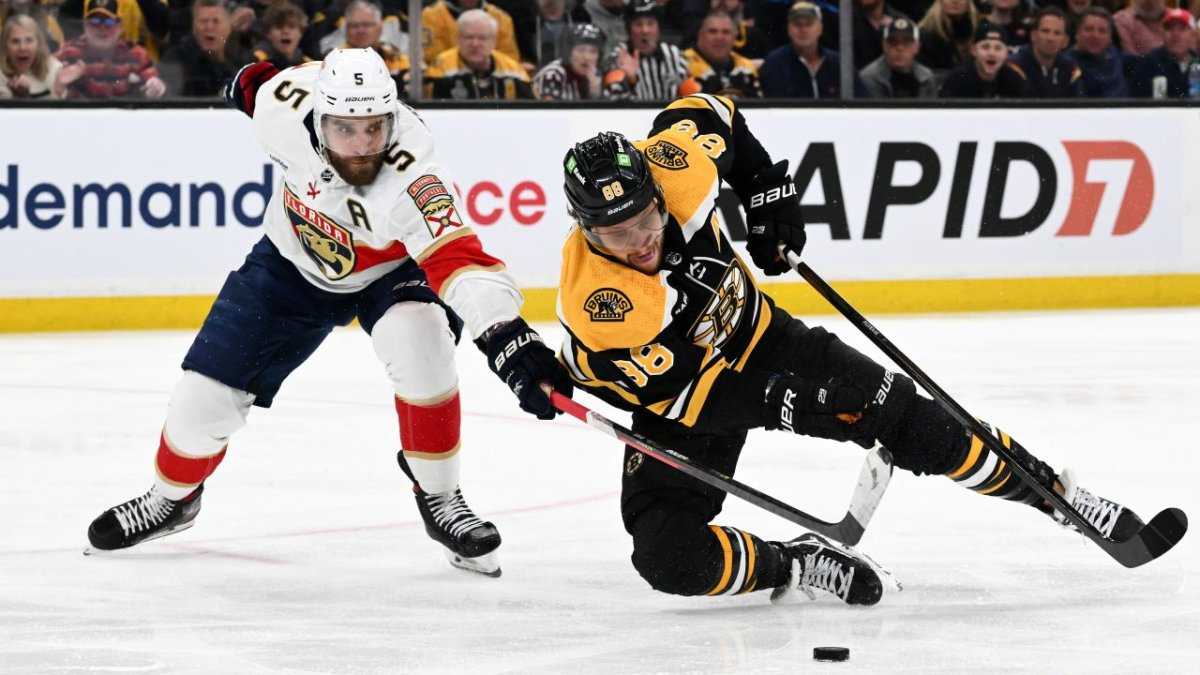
(470, 542)
(143, 518)
(818, 564)
(1110, 518)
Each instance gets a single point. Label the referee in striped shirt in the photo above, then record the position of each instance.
(646, 69)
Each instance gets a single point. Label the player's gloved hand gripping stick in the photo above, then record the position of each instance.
(872, 481)
(1156, 538)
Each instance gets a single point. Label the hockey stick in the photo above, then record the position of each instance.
(1153, 540)
(872, 480)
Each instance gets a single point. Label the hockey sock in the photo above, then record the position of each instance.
(978, 468)
(180, 474)
(429, 437)
(747, 563)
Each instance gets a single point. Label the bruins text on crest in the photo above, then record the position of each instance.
(667, 156)
(608, 304)
(435, 203)
(328, 244)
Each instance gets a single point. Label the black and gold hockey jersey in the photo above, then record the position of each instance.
(662, 341)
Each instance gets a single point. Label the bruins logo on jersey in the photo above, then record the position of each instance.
(723, 313)
(435, 203)
(667, 155)
(328, 244)
(634, 463)
(608, 304)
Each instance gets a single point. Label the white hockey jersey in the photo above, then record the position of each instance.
(342, 237)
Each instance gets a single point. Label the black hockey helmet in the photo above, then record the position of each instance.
(585, 34)
(637, 9)
(607, 180)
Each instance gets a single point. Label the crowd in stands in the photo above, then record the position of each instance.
(613, 49)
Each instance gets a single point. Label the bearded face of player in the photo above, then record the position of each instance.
(355, 146)
(636, 241)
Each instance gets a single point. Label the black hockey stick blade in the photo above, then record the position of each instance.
(872, 481)
(1152, 541)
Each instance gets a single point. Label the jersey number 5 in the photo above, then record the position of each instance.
(647, 360)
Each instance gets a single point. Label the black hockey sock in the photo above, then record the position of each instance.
(979, 469)
(749, 563)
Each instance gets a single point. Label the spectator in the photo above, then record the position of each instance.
(646, 68)
(870, 18)
(1049, 73)
(439, 27)
(1170, 61)
(100, 64)
(40, 13)
(476, 69)
(896, 74)
(748, 40)
(715, 67)
(609, 15)
(200, 63)
(364, 26)
(946, 34)
(1140, 26)
(554, 28)
(143, 22)
(803, 68)
(327, 27)
(985, 75)
(1102, 64)
(27, 70)
(1074, 10)
(578, 76)
(1014, 16)
(284, 24)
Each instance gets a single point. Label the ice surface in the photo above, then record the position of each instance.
(309, 555)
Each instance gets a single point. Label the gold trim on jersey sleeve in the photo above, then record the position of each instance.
(440, 242)
(454, 276)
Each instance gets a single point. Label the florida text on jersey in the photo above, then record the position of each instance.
(661, 341)
(342, 237)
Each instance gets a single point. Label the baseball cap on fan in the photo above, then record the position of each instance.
(901, 29)
(804, 10)
(100, 8)
(990, 31)
(1178, 15)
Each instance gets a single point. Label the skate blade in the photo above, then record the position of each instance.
(92, 550)
(487, 564)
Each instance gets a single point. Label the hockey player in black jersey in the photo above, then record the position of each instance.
(663, 318)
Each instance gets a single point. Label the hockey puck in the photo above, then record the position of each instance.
(831, 653)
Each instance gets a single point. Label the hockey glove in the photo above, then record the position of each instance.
(773, 217)
(240, 91)
(825, 410)
(516, 353)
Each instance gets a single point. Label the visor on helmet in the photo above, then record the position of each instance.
(357, 136)
(620, 238)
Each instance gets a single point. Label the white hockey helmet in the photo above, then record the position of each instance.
(356, 83)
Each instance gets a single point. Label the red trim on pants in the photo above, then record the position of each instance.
(185, 470)
(432, 429)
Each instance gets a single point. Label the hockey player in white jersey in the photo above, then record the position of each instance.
(365, 225)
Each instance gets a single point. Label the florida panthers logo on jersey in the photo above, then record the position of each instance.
(608, 304)
(435, 203)
(328, 244)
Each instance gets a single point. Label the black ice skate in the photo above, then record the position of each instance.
(470, 542)
(1110, 518)
(819, 564)
(143, 518)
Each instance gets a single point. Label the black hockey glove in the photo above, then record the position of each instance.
(830, 410)
(516, 353)
(773, 217)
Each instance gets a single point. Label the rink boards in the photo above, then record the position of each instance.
(131, 219)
